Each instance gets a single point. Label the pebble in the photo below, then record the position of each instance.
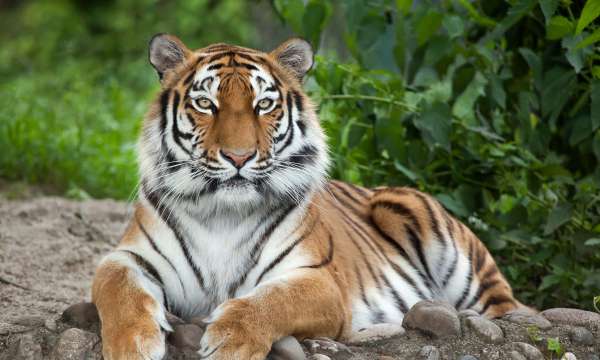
(467, 313)
(83, 315)
(527, 351)
(568, 356)
(432, 317)
(186, 336)
(28, 348)
(524, 318)
(6, 328)
(319, 357)
(593, 357)
(485, 329)
(287, 348)
(468, 357)
(581, 336)
(515, 355)
(429, 352)
(50, 324)
(76, 344)
(573, 317)
(328, 347)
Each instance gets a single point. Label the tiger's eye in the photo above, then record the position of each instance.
(265, 104)
(204, 103)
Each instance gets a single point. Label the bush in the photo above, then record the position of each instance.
(493, 106)
(75, 84)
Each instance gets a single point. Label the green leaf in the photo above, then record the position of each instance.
(559, 27)
(316, 15)
(428, 25)
(404, 5)
(435, 124)
(575, 56)
(506, 203)
(475, 15)
(519, 9)
(590, 12)
(463, 107)
(555, 346)
(406, 171)
(592, 242)
(535, 64)
(455, 206)
(292, 12)
(549, 8)
(595, 104)
(454, 25)
(582, 128)
(589, 40)
(549, 281)
(559, 216)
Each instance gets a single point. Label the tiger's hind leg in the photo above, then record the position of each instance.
(451, 261)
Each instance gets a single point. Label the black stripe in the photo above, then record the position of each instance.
(327, 259)
(283, 254)
(150, 271)
(450, 230)
(400, 210)
(290, 129)
(215, 66)
(400, 304)
(189, 78)
(155, 248)
(177, 135)
(484, 286)
(496, 300)
(162, 210)
(361, 286)
(305, 155)
(364, 257)
(164, 103)
(418, 246)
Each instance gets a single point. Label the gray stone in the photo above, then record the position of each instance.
(327, 347)
(432, 317)
(429, 352)
(528, 319)
(287, 348)
(6, 328)
(581, 335)
(485, 329)
(573, 317)
(467, 313)
(376, 332)
(50, 324)
(593, 357)
(468, 357)
(529, 352)
(28, 349)
(568, 356)
(76, 344)
(82, 315)
(319, 357)
(515, 355)
(186, 336)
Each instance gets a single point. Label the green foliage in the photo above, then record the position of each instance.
(493, 107)
(555, 347)
(75, 84)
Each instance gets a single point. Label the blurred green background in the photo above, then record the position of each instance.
(492, 106)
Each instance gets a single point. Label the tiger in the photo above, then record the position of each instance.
(237, 222)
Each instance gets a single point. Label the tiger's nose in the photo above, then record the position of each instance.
(237, 157)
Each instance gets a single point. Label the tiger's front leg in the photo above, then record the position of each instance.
(305, 304)
(131, 311)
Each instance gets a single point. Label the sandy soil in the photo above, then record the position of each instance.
(49, 248)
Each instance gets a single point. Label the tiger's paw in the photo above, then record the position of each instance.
(134, 343)
(229, 336)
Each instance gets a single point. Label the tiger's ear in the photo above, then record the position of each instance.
(296, 55)
(165, 52)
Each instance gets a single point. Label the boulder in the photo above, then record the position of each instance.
(435, 318)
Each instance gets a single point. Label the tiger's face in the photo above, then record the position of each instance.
(232, 126)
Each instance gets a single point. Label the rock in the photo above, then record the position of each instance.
(581, 336)
(175, 320)
(50, 324)
(467, 313)
(527, 351)
(529, 319)
(568, 356)
(485, 329)
(432, 317)
(82, 315)
(515, 355)
(319, 357)
(593, 357)
(287, 348)
(6, 328)
(468, 357)
(376, 332)
(328, 347)
(29, 321)
(76, 344)
(27, 348)
(186, 336)
(429, 352)
(573, 317)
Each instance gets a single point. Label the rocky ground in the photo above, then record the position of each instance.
(49, 247)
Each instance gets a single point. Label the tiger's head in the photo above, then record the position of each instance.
(232, 126)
